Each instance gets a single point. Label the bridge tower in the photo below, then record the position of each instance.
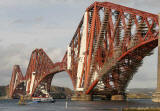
(156, 95)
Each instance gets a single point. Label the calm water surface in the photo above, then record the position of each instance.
(60, 105)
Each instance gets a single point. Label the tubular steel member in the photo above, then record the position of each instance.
(115, 38)
(17, 83)
(156, 95)
(127, 31)
(39, 74)
(105, 52)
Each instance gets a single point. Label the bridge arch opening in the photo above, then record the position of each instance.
(44, 87)
(62, 79)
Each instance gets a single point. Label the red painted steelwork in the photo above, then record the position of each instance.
(117, 40)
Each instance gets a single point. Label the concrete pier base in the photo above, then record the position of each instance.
(81, 97)
(156, 97)
(117, 97)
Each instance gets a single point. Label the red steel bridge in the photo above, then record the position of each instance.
(105, 52)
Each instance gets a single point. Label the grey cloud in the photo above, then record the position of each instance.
(140, 3)
(13, 3)
(56, 54)
(18, 21)
(62, 79)
(28, 21)
(9, 56)
(39, 19)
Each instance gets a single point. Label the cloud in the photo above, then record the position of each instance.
(13, 3)
(39, 19)
(11, 55)
(134, 3)
(18, 21)
(56, 54)
(62, 79)
(28, 21)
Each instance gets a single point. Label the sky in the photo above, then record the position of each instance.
(50, 24)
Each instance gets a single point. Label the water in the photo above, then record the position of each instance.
(60, 105)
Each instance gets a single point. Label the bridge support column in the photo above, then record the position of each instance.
(156, 95)
(118, 97)
(81, 97)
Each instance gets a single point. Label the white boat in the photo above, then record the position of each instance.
(43, 99)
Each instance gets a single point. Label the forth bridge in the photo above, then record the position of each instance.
(106, 50)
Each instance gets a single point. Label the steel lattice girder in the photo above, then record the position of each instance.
(117, 40)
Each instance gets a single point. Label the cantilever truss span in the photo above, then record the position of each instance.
(105, 52)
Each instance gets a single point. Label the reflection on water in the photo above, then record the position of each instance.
(60, 105)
